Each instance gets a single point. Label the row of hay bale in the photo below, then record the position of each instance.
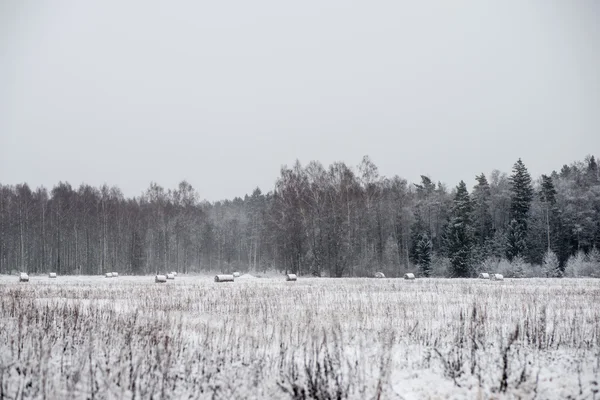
(24, 277)
(227, 277)
(293, 277)
(483, 275)
(408, 276)
(231, 277)
(162, 278)
(492, 277)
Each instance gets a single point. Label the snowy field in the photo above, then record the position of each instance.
(257, 338)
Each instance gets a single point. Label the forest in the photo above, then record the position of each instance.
(326, 221)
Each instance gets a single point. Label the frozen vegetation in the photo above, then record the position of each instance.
(91, 337)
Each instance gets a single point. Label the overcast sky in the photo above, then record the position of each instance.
(223, 93)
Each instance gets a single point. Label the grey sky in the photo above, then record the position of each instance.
(223, 93)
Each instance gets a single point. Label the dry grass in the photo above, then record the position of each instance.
(90, 337)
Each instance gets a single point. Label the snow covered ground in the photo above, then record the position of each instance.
(129, 337)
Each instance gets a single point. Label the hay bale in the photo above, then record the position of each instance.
(174, 273)
(108, 275)
(115, 274)
(170, 276)
(23, 277)
(379, 275)
(497, 277)
(52, 275)
(160, 279)
(236, 274)
(224, 278)
(409, 276)
(484, 275)
(291, 277)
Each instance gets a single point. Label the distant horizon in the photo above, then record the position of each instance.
(449, 186)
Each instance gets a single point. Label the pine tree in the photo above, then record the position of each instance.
(459, 236)
(548, 192)
(517, 267)
(482, 218)
(520, 203)
(522, 193)
(515, 240)
(417, 230)
(565, 171)
(423, 250)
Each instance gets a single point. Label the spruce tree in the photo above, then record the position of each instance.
(417, 230)
(550, 264)
(423, 250)
(421, 247)
(515, 240)
(548, 192)
(459, 235)
(520, 203)
(482, 218)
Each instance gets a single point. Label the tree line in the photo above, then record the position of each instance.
(335, 221)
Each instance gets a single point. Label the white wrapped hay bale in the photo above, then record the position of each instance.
(52, 275)
(160, 278)
(224, 278)
(23, 277)
(291, 277)
(379, 275)
(497, 277)
(174, 273)
(115, 274)
(170, 276)
(409, 276)
(109, 275)
(484, 275)
(236, 274)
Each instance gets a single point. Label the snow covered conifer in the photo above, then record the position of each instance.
(459, 234)
(551, 265)
(575, 265)
(423, 252)
(520, 203)
(482, 218)
(522, 193)
(421, 247)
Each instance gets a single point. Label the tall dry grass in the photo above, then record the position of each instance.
(314, 338)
